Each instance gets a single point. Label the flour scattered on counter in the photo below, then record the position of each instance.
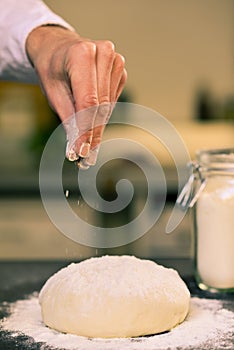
(208, 324)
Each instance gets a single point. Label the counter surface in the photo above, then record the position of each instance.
(20, 279)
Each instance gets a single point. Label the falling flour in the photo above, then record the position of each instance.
(209, 326)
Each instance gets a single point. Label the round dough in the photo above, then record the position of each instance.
(114, 296)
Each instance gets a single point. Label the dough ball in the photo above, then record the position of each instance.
(114, 296)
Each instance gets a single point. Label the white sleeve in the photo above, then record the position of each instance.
(17, 20)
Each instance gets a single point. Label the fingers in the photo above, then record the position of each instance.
(111, 77)
(121, 85)
(95, 76)
(118, 77)
(83, 78)
(105, 60)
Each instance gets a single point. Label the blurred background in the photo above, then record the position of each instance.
(180, 61)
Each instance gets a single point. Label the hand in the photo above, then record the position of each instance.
(82, 79)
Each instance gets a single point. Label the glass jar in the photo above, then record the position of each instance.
(210, 191)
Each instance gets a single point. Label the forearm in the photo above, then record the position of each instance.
(17, 20)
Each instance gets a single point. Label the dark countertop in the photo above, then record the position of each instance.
(21, 278)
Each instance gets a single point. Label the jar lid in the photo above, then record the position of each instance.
(216, 159)
(219, 161)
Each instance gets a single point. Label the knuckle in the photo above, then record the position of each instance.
(97, 140)
(104, 111)
(89, 100)
(106, 45)
(104, 100)
(85, 48)
(97, 136)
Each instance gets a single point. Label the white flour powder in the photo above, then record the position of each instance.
(215, 222)
(208, 325)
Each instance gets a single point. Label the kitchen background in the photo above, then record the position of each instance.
(180, 61)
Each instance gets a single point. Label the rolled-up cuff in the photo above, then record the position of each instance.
(18, 21)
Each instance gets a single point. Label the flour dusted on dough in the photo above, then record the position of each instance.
(114, 296)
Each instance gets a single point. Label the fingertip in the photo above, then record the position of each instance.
(92, 159)
(81, 164)
(84, 150)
